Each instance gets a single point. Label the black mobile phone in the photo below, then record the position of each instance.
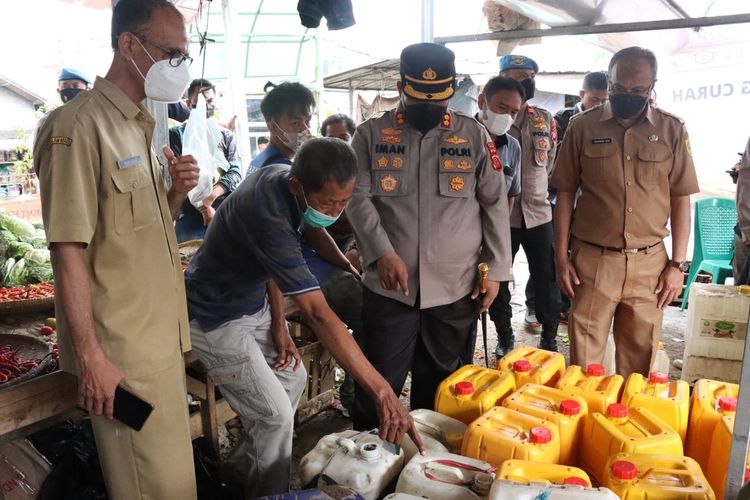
(130, 409)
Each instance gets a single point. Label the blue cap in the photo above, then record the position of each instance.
(512, 61)
(73, 74)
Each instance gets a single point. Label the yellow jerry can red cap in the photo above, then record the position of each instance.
(575, 480)
(658, 377)
(522, 365)
(570, 407)
(464, 388)
(617, 410)
(540, 435)
(624, 470)
(595, 370)
(727, 403)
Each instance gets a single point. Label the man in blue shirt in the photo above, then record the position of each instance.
(287, 109)
(239, 332)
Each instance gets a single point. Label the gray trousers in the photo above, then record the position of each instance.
(239, 356)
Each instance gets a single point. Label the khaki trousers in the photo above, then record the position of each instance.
(155, 463)
(616, 290)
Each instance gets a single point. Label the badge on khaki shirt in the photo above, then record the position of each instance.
(391, 139)
(59, 139)
(397, 162)
(492, 150)
(457, 183)
(388, 183)
(454, 139)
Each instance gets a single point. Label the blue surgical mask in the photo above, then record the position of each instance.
(315, 219)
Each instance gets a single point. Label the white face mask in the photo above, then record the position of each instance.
(164, 82)
(495, 122)
(294, 140)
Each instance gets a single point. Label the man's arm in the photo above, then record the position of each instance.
(395, 421)
(562, 217)
(287, 351)
(670, 280)
(98, 376)
(325, 246)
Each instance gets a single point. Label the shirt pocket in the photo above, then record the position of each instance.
(654, 163)
(597, 160)
(134, 200)
(542, 146)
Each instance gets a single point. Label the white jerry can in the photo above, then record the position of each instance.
(356, 460)
(510, 490)
(439, 433)
(446, 476)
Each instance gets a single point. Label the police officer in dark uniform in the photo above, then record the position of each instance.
(531, 216)
(71, 82)
(430, 203)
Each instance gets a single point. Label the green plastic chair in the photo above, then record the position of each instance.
(713, 244)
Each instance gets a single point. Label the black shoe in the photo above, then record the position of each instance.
(505, 342)
(548, 342)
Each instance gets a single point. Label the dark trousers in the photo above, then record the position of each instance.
(537, 243)
(399, 338)
(531, 299)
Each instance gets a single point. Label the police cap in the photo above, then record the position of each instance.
(512, 61)
(428, 72)
(73, 74)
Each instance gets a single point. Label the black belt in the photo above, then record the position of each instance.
(621, 250)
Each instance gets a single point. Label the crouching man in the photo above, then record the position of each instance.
(237, 322)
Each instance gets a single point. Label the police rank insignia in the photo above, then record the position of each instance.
(400, 119)
(59, 139)
(454, 139)
(446, 121)
(496, 164)
(391, 139)
(448, 165)
(541, 156)
(457, 183)
(388, 183)
(390, 130)
(464, 165)
(553, 134)
(429, 74)
(382, 162)
(397, 162)
(653, 138)
(542, 144)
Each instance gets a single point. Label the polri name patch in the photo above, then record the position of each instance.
(603, 140)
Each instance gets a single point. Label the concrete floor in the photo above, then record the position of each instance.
(307, 435)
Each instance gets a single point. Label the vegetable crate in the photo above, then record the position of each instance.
(319, 393)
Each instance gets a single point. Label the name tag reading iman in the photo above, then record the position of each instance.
(128, 162)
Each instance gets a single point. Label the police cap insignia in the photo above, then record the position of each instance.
(428, 72)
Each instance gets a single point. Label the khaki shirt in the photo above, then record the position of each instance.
(536, 130)
(743, 193)
(438, 200)
(627, 176)
(101, 185)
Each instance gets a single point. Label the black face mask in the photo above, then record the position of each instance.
(529, 86)
(424, 116)
(626, 105)
(209, 112)
(68, 94)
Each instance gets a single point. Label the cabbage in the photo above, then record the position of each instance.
(17, 275)
(17, 249)
(36, 272)
(20, 228)
(37, 255)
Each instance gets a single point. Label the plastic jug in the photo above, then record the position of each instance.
(623, 429)
(510, 490)
(472, 390)
(530, 365)
(718, 457)
(523, 471)
(446, 476)
(707, 406)
(599, 390)
(439, 433)
(502, 434)
(657, 477)
(668, 400)
(551, 404)
(355, 460)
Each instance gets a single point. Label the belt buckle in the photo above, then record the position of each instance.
(630, 250)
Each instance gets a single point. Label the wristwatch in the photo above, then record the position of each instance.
(683, 266)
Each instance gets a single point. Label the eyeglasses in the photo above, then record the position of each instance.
(176, 57)
(617, 89)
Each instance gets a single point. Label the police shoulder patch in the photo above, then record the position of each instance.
(60, 139)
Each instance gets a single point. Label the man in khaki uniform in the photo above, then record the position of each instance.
(633, 164)
(430, 203)
(109, 216)
(742, 229)
(531, 217)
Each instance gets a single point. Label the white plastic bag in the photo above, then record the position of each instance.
(195, 142)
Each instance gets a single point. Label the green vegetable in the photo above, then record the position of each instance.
(20, 228)
(6, 270)
(36, 272)
(17, 274)
(17, 249)
(38, 255)
(39, 240)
